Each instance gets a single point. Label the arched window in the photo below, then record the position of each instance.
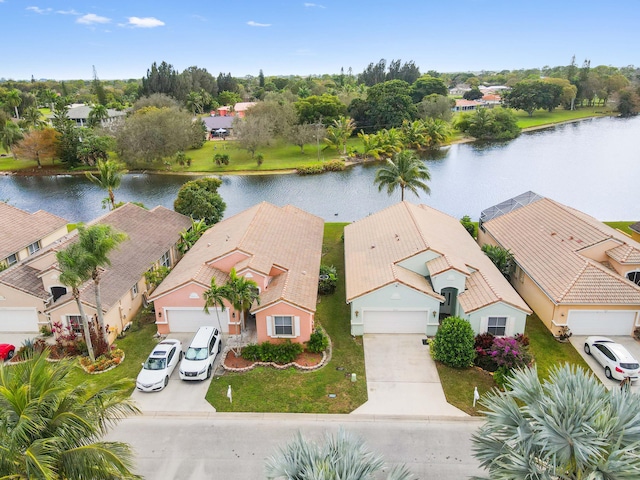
(634, 277)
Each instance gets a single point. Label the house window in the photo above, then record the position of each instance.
(75, 324)
(12, 259)
(283, 325)
(497, 326)
(165, 261)
(634, 277)
(34, 247)
(134, 290)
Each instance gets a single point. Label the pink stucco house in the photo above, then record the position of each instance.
(277, 247)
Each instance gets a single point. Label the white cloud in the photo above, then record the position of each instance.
(314, 5)
(68, 12)
(91, 18)
(251, 23)
(146, 22)
(39, 10)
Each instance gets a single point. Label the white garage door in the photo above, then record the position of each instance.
(18, 320)
(601, 322)
(380, 321)
(189, 320)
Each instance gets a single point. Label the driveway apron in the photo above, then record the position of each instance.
(402, 378)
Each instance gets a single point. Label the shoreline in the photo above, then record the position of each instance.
(47, 172)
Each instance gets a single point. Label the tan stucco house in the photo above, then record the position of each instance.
(277, 247)
(33, 284)
(409, 266)
(572, 269)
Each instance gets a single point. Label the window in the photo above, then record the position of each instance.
(497, 326)
(165, 261)
(75, 324)
(283, 325)
(12, 259)
(634, 277)
(134, 290)
(34, 247)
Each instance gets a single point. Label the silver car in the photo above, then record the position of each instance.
(618, 363)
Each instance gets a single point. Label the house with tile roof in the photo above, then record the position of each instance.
(409, 266)
(277, 247)
(79, 113)
(33, 284)
(573, 270)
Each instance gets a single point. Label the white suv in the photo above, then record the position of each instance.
(197, 363)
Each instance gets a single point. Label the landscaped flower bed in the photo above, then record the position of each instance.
(103, 363)
(303, 361)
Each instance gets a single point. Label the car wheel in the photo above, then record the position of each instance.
(10, 354)
(607, 373)
(209, 372)
(587, 350)
(166, 381)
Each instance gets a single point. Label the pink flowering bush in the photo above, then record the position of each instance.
(508, 352)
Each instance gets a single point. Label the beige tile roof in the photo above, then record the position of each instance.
(625, 254)
(285, 237)
(25, 279)
(20, 229)
(376, 244)
(546, 238)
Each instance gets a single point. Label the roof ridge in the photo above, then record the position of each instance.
(254, 217)
(489, 284)
(613, 274)
(415, 223)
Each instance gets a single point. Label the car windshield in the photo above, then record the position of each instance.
(154, 364)
(196, 354)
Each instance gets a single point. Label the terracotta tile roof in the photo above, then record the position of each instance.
(547, 238)
(20, 229)
(269, 236)
(625, 254)
(376, 244)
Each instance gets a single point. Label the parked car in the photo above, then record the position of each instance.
(199, 357)
(6, 351)
(618, 363)
(159, 366)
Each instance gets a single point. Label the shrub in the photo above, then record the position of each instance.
(522, 339)
(328, 280)
(105, 361)
(309, 169)
(454, 343)
(334, 166)
(501, 376)
(508, 352)
(251, 352)
(281, 353)
(318, 342)
(468, 225)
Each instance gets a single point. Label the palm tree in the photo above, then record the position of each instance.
(406, 171)
(214, 297)
(370, 145)
(194, 102)
(97, 242)
(51, 429)
(436, 132)
(241, 293)
(413, 134)
(14, 99)
(110, 174)
(339, 133)
(568, 427)
(390, 141)
(9, 136)
(188, 237)
(33, 117)
(97, 115)
(75, 270)
(343, 456)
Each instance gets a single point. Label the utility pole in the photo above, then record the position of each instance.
(318, 127)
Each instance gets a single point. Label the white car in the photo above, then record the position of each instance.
(618, 363)
(199, 357)
(161, 363)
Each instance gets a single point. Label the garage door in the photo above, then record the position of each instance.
(18, 320)
(380, 321)
(189, 320)
(601, 322)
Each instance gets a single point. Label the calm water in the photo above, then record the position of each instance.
(592, 165)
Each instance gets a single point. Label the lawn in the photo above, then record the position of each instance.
(268, 390)
(622, 226)
(543, 117)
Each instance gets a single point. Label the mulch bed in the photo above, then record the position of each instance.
(305, 359)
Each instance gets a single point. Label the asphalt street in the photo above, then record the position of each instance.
(235, 446)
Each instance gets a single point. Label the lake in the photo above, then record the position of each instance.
(592, 165)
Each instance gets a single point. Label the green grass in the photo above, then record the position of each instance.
(543, 117)
(458, 385)
(622, 226)
(268, 390)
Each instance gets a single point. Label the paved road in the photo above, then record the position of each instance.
(234, 446)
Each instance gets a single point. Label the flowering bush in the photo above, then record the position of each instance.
(103, 362)
(508, 352)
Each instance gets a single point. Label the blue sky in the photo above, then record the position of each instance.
(63, 39)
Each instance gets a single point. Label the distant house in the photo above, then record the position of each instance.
(216, 125)
(459, 89)
(277, 247)
(465, 105)
(491, 100)
(409, 266)
(79, 113)
(573, 270)
(237, 110)
(31, 294)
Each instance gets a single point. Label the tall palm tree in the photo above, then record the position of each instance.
(9, 136)
(404, 171)
(97, 115)
(341, 456)
(109, 177)
(569, 427)
(75, 270)
(14, 99)
(241, 293)
(413, 134)
(195, 102)
(436, 132)
(33, 117)
(98, 241)
(215, 297)
(339, 133)
(52, 429)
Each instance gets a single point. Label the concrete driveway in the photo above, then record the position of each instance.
(628, 342)
(402, 378)
(179, 396)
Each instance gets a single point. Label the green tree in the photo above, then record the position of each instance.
(226, 97)
(189, 236)
(489, 124)
(436, 132)
(33, 117)
(195, 102)
(387, 105)
(109, 178)
(569, 426)
(52, 429)
(300, 135)
(501, 258)
(468, 225)
(252, 133)
(13, 99)
(341, 456)
(214, 297)
(319, 108)
(454, 343)
(473, 94)
(97, 242)
(339, 132)
(436, 106)
(94, 148)
(413, 134)
(427, 85)
(69, 136)
(75, 270)
(10, 135)
(241, 293)
(199, 199)
(97, 115)
(160, 79)
(404, 171)
(628, 103)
